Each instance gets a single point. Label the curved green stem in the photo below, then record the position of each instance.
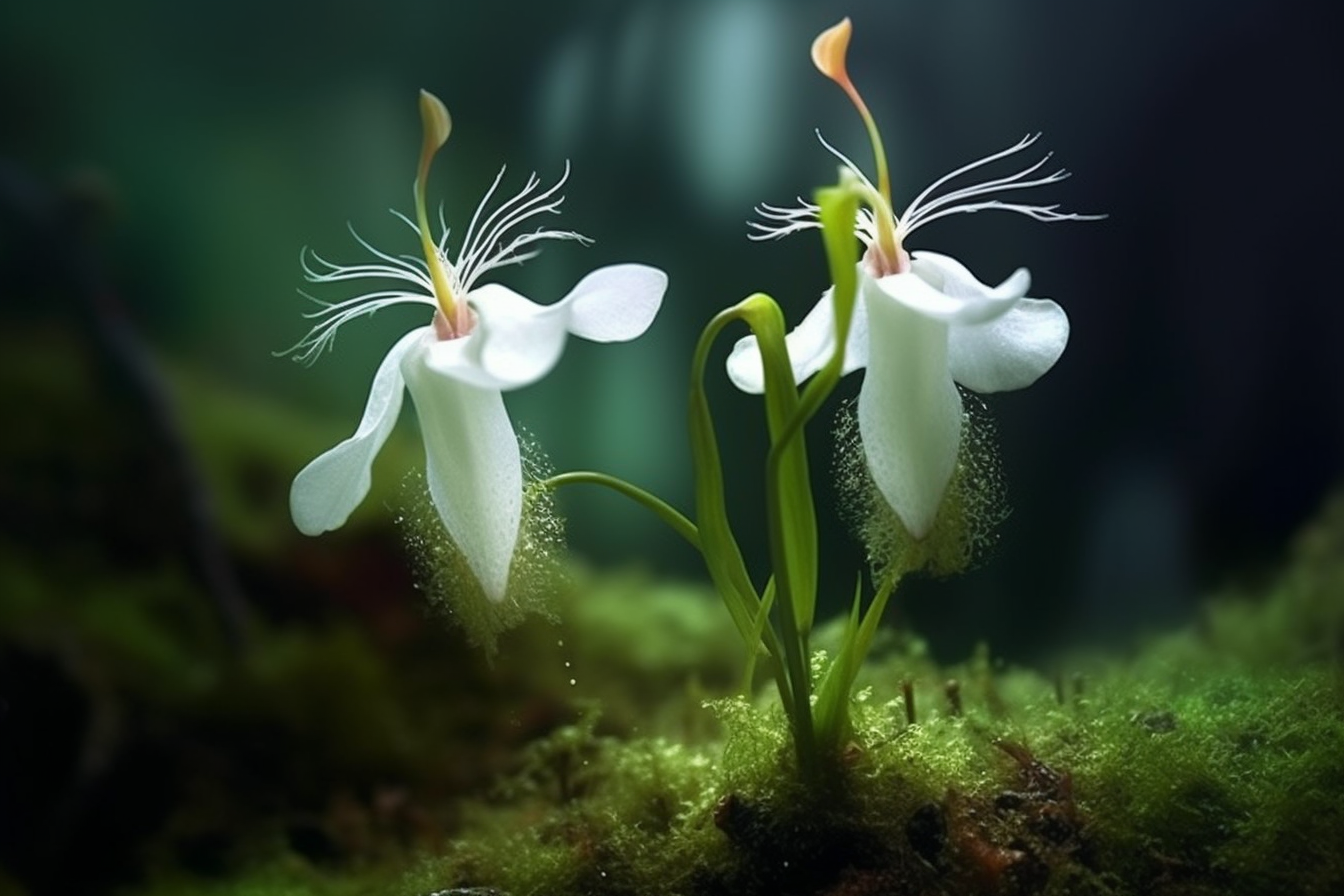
(759, 630)
(660, 508)
(723, 557)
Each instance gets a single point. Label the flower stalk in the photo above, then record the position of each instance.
(437, 125)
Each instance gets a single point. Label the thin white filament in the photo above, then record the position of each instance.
(484, 249)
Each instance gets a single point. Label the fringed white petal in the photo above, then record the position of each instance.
(810, 346)
(1010, 352)
(472, 465)
(909, 408)
(327, 491)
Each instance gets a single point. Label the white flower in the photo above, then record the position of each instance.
(482, 339)
(919, 333)
(922, 323)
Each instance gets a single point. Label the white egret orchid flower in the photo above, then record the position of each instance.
(922, 323)
(483, 339)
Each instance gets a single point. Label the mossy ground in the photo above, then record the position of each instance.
(352, 748)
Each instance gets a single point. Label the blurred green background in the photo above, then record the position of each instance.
(1193, 422)
(163, 163)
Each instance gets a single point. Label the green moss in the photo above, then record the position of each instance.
(588, 814)
(1189, 768)
(1211, 760)
(287, 877)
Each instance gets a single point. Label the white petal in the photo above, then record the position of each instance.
(472, 465)
(461, 360)
(1011, 351)
(909, 410)
(810, 346)
(942, 288)
(327, 491)
(616, 303)
(519, 340)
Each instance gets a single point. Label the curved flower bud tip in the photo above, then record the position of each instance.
(829, 52)
(436, 122)
(829, 49)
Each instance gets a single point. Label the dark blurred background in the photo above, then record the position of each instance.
(1195, 420)
(182, 675)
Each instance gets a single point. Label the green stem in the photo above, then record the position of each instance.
(790, 519)
(723, 557)
(837, 213)
(875, 610)
(660, 508)
(759, 630)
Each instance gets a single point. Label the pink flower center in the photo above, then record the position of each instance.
(445, 329)
(882, 264)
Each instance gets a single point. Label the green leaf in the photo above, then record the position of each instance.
(763, 619)
(723, 557)
(838, 207)
(833, 695)
(832, 707)
(790, 505)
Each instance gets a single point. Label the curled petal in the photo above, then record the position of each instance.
(810, 346)
(1010, 352)
(615, 303)
(327, 491)
(461, 360)
(472, 465)
(942, 288)
(909, 409)
(517, 341)
(520, 341)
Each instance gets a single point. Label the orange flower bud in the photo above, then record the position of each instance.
(829, 49)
